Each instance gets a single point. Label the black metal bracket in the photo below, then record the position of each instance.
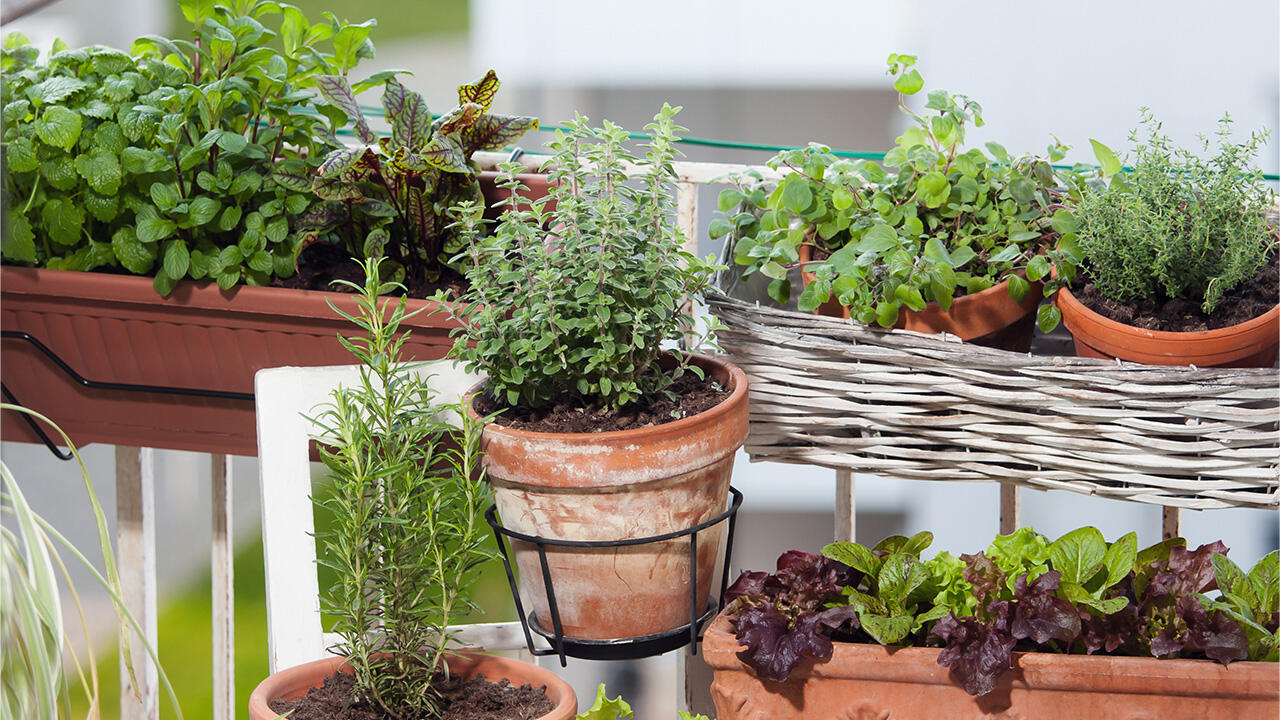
(622, 648)
(99, 385)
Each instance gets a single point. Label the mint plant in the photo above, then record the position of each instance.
(581, 312)
(1179, 225)
(407, 499)
(935, 222)
(183, 158)
(1078, 593)
(393, 196)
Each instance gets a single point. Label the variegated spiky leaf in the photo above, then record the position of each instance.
(349, 165)
(445, 153)
(480, 92)
(337, 90)
(422, 222)
(494, 132)
(324, 215)
(292, 174)
(336, 189)
(406, 162)
(411, 127)
(459, 119)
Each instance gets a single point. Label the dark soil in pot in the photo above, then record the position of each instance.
(319, 264)
(474, 699)
(1245, 302)
(686, 397)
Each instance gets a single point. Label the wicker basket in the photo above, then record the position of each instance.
(828, 392)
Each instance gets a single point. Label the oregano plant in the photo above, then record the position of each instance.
(392, 196)
(935, 221)
(407, 496)
(582, 312)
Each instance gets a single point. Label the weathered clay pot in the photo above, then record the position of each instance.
(537, 185)
(1250, 344)
(116, 328)
(990, 317)
(875, 682)
(614, 486)
(293, 682)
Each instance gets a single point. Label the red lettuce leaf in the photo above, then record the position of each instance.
(1040, 615)
(775, 645)
(976, 652)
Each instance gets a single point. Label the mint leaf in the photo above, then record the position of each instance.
(135, 256)
(100, 168)
(59, 127)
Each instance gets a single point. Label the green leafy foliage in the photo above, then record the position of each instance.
(407, 501)
(618, 709)
(940, 222)
(182, 142)
(1179, 225)
(1251, 599)
(1078, 593)
(394, 197)
(581, 312)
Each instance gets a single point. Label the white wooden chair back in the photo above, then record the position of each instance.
(283, 395)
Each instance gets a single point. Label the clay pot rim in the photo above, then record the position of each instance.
(200, 295)
(1070, 306)
(737, 395)
(565, 707)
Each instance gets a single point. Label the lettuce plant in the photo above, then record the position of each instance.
(1078, 593)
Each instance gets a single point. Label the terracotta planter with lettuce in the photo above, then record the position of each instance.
(874, 682)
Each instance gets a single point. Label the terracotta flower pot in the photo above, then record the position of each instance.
(614, 486)
(1250, 344)
(116, 328)
(294, 682)
(990, 317)
(874, 682)
(537, 185)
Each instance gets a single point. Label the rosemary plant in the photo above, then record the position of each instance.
(1178, 226)
(407, 499)
(582, 313)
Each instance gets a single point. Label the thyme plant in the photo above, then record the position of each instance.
(582, 312)
(1179, 225)
(407, 500)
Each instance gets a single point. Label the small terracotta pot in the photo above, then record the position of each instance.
(876, 682)
(292, 683)
(537, 185)
(1250, 344)
(615, 486)
(990, 317)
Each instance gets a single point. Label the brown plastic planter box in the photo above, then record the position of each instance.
(873, 682)
(116, 328)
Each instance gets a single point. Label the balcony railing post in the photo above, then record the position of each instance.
(1010, 505)
(136, 549)
(845, 506)
(222, 567)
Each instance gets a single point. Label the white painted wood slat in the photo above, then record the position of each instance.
(136, 550)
